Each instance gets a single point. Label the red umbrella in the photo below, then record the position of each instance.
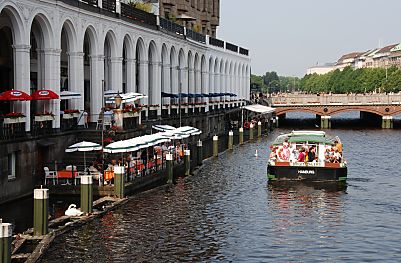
(44, 95)
(14, 95)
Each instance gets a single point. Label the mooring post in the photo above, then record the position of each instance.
(277, 119)
(230, 140)
(187, 162)
(215, 146)
(170, 175)
(251, 132)
(119, 181)
(6, 233)
(40, 211)
(259, 129)
(199, 153)
(86, 194)
(241, 135)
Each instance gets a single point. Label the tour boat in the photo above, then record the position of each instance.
(288, 160)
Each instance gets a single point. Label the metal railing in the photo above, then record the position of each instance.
(171, 26)
(335, 99)
(90, 2)
(138, 15)
(216, 42)
(195, 36)
(244, 51)
(232, 47)
(109, 5)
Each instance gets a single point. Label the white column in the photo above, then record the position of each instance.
(198, 81)
(96, 89)
(205, 86)
(166, 82)
(131, 74)
(50, 72)
(143, 80)
(184, 80)
(174, 79)
(157, 86)
(191, 81)
(116, 81)
(76, 78)
(22, 78)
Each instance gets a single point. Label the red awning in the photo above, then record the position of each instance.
(44, 95)
(14, 95)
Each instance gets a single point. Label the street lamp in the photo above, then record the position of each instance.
(118, 99)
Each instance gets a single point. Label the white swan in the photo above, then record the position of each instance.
(73, 211)
(256, 153)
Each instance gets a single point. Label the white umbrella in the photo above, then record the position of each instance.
(84, 147)
(163, 127)
(121, 147)
(188, 130)
(174, 135)
(67, 95)
(126, 97)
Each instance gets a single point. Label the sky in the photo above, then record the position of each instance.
(288, 36)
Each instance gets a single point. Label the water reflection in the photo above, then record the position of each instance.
(228, 213)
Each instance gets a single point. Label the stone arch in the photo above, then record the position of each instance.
(71, 61)
(222, 78)
(216, 71)
(203, 70)
(165, 72)
(342, 110)
(17, 24)
(141, 83)
(197, 74)
(306, 110)
(92, 85)
(153, 60)
(230, 74)
(111, 61)
(191, 77)
(128, 64)
(211, 75)
(182, 64)
(11, 44)
(173, 70)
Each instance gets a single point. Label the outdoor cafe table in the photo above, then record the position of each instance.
(65, 174)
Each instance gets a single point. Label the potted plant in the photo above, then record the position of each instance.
(153, 106)
(14, 117)
(69, 114)
(44, 116)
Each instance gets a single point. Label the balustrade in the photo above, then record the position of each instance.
(137, 15)
(171, 26)
(195, 36)
(216, 42)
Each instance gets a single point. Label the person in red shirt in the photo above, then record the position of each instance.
(301, 157)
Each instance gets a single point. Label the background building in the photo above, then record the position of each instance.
(201, 16)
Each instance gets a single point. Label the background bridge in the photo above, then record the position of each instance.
(324, 106)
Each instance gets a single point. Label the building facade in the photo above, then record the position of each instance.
(58, 46)
(94, 46)
(202, 16)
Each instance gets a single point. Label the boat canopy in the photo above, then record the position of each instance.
(305, 137)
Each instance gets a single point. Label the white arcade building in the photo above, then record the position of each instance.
(89, 45)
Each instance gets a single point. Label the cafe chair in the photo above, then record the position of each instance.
(50, 175)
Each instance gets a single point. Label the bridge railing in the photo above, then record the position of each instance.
(335, 99)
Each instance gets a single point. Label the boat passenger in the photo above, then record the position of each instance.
(301, 157)
(336, 156)
(339, 146)
(311, 154)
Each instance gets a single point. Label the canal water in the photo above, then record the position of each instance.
(229, 213)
